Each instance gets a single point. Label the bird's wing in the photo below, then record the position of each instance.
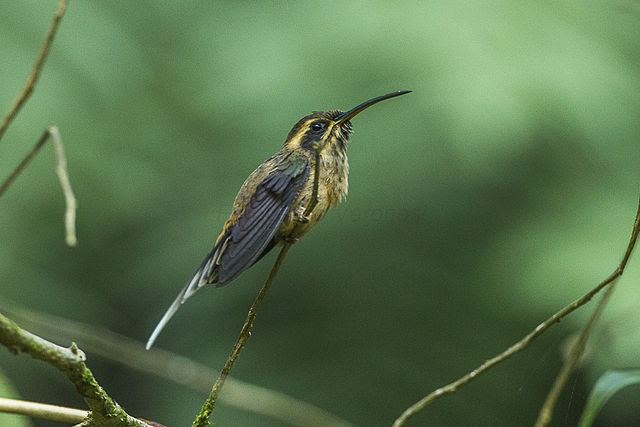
(244, 241)
(262, 217)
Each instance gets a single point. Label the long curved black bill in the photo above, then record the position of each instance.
(348, 115)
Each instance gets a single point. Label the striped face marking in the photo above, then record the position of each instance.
(318, 131)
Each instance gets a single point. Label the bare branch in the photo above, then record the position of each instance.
(524, 342)
(43, 411)
(173, 367)
(546, 412)
(52, 133)
(69, 197)
(23, 163)
(36, 70)
(70, 361)
(202, 419)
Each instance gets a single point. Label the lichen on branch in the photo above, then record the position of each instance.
(104, 411)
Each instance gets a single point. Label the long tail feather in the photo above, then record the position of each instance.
(199, 279)
(206, 273)
(165, 319)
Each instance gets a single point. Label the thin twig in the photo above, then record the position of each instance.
(203, 417)
(172, 367)
(43, 411)
(524, 342)
(546, 412)
(69, 197)
(53, 134)
(30, 84)
(70, 361)
(24, 162)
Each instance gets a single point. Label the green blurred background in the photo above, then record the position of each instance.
(504, 187)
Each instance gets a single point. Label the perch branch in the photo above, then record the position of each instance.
(52, 133)
(30, 84)
(172, 367)
(43, 411)
(524, 342)
(70, 361)
(202, 419)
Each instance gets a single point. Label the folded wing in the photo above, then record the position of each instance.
(251, 235)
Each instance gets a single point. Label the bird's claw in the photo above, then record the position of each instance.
(290, 240)
(301, 216)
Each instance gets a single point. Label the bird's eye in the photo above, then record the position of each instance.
(317, 127)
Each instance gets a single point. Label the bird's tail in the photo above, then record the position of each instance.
(206, 273)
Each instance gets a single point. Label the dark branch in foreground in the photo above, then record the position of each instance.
(36, 70)
(524, 342)
(172, 367)
(104, 411)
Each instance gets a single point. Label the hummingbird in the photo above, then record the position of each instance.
(272, 204)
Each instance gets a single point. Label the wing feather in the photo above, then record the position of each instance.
(261, 219)
(251, 236)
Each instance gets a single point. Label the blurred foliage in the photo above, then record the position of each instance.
(604, 389)
(500, 190)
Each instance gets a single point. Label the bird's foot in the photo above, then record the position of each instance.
(290, 240)
(301, 215)
(303, 218)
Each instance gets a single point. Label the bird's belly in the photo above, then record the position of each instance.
(333, 186)
(296, 224)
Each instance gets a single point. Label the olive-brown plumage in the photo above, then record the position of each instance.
(270, 206)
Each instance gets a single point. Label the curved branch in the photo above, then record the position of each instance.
(30, 84)
(524, 342)
(173, 367)
(546, 412)
(70, 361)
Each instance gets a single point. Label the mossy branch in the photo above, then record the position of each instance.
(172, 367)
(104, 411)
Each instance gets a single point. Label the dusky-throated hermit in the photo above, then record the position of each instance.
(270, 206)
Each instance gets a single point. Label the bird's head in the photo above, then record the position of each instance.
(323, 129)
